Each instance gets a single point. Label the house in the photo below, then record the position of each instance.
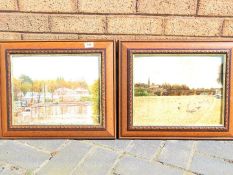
(36, 97)
(66, 94)
(82, 92)
(60, 94)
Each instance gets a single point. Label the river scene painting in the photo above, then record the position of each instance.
(56, 89)
(178, 90)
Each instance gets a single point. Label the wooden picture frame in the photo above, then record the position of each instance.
(130, 70)
(106, 88)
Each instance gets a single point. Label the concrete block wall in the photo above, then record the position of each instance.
(116, 19)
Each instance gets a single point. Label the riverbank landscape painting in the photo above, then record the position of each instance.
(178, 89)
(56, 89)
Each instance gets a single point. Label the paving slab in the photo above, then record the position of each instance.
(22, 156)
(130, 165)
(66, 159)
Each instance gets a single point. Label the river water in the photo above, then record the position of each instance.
(56, 114)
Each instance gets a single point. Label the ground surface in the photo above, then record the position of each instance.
(177, 110)
(119, 157)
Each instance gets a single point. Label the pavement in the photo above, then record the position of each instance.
(115, 157)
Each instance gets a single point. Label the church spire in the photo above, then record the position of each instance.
(149, 82)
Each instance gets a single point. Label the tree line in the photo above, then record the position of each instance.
(166, 89)
(25, 84)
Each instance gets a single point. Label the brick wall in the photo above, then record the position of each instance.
(116, 19)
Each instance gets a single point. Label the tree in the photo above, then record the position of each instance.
(25, 87)
(220, 77)
(83, 84)
(16, 88)
(37, 87)
(52, 85)
(26, 83)
(140, 92)
(60, 82)
(95, 95)
(25, 79)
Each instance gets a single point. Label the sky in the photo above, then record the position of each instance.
(200, 71)
(47, 67)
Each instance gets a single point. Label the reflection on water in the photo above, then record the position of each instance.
(56, 114)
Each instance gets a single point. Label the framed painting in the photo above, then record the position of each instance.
(175, 90)
(57, 89)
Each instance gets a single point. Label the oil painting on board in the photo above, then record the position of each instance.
(178, 89)
(56, 89)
